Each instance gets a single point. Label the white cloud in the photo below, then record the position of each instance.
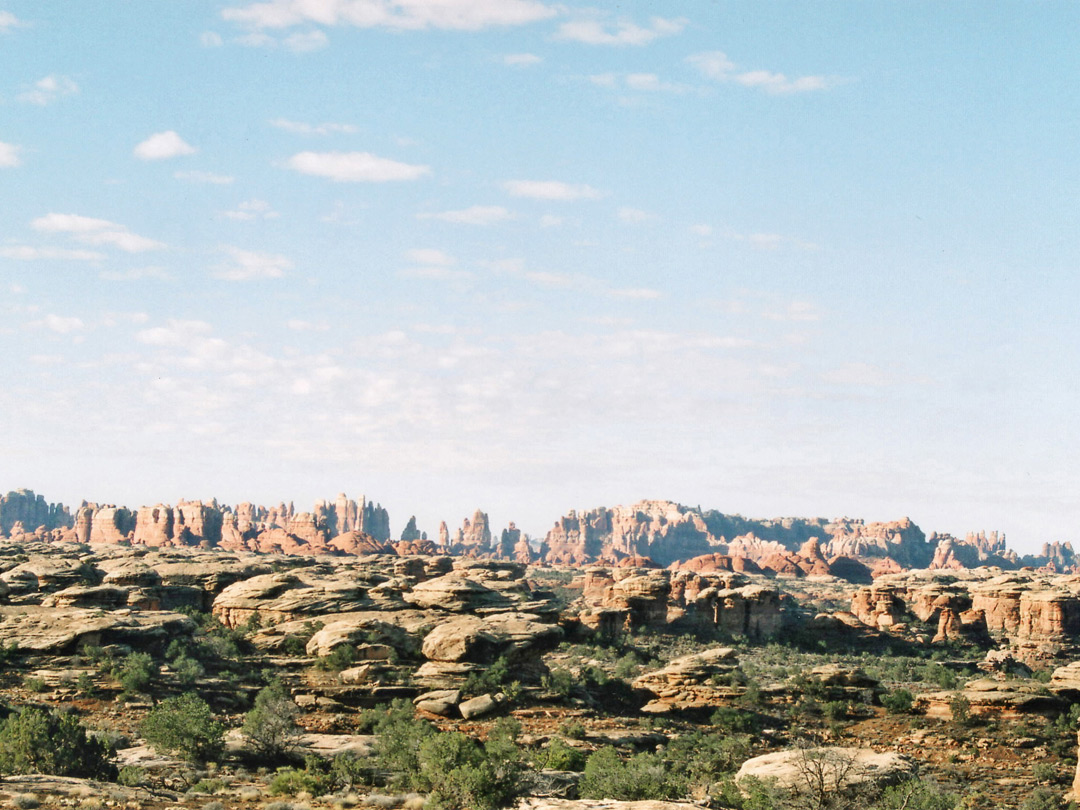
(177, 333)
(550, 190)
(521, 59)
(457, 15)
(250, 265)
(207, 178)
(651, 83)
(299, 325)
(135, 274)
(252, 210)
(95, 232)
(211, 39)
(163, 145)
(609, 80)
(717, 66)
(474, 215)
(28, 253)
(637, 293)
(354, 167)
(625, 32)
(701, 229)
(634, 216)
(861, 375)
(9, 155)
(8, 20)
(300, 128)
(796, 311)
(47, 90)
(550, 221)
(429, 256)
(306, 42)
(62, 325)
(435, 272)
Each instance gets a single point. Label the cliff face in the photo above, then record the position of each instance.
(32, 511)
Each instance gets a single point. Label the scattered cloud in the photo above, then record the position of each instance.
(205, 178)
(95, 232)
(135, 274)
(769, 241)
(47, 90)
(717, 66)
(414, 15)
(637, 293)
(299, 325)
(60, 324)
(163, 145)
(28, 253)
(8, 20)
(9, 155)
(550, 221)
(306, 42)
(640, 82)
(796, 311)
(521, 59)
(550, 190)
(862, 375)
(250, 265)
(434, 265)
(429, 256)
(634, 216)
(701, 229)
(474, 215)
(354, 167)
(300, 128)
(251, 210)
(211, 39)
(624, 32)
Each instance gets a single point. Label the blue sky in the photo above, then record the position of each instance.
(775, 259)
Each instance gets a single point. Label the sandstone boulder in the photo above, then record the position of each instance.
(807, 770)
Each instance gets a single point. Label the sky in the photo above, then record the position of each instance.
(813, 259)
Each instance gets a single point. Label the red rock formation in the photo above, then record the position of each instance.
(358, 543)
(23, 506)
(473, 539)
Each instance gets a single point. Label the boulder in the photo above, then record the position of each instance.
(481, 640)
(805, 770)
(442, 702)
(481, 706)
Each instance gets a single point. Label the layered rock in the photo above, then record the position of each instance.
(23, 506)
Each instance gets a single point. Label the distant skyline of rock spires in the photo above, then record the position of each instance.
(655, 533)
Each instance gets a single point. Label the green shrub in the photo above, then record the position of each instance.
(572, 729)
(348, 770)
(339, 658)
(641, 777)
(735, 721)
(558, 756)
(960, 707)
(271, 726)
(187, 670)
(700, 757)
(34, 684)
(131, 776)
(1041, 799)
(210, 786)
(916, 794)
(461, 774)
(33, 740)
(290, 781)
(135, 672)
(899, 701)
(184, 726)
(397, 744)
(560, 681)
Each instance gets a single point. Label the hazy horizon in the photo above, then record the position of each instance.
(777, 260)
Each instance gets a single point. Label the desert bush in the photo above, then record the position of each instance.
(348, 770)
(641, 777)
(572, 729)
(558, 756)
(397, 745)
(184, 726)
(33, 740)
(1041, 799)
(735, 721)
(187, 670)
(899, 701)
(135, 672)
(271, 725)
(339, 658)
(916, 794)
(131, 776)
(291, 781)
(210, 786)
(25, 801)
(461, 774)
(700, 758)
(960, 708)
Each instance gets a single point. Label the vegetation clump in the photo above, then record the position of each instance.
(33, 740)
(184, 726)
